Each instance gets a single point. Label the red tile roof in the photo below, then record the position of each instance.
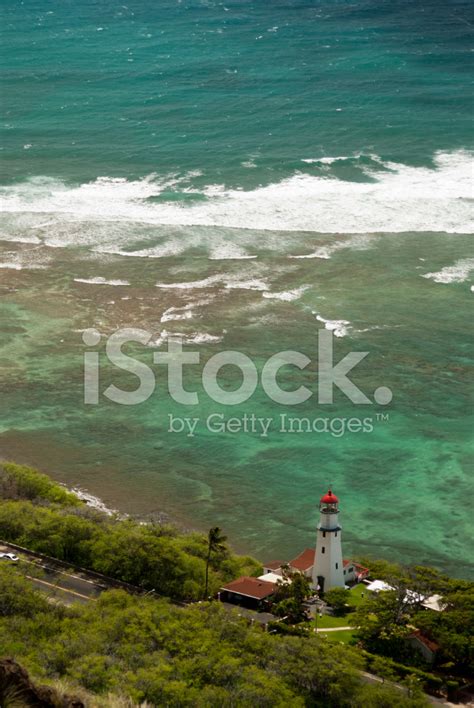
(274, 565)
(424, 640)
(251, 587)
(304, 561)
(360, 568)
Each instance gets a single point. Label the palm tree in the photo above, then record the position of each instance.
(215, 542)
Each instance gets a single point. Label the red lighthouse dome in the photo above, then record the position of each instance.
(329, 498)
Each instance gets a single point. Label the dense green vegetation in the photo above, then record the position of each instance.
(42, 516)
(386, 619)
(146, 649)
(215, 545)
(21, 482)
(293, 590)
(196, 656)
(338, 598)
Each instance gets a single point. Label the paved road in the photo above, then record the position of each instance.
(58, 585)
(68, 587)
(372, 678)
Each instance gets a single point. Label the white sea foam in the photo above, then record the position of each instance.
(322, 252)
(229, 282)
(327, 160)
(228, 252)
(93, 501)
(288, 295)
(15, 265)
(193, 284)
(340, 328)
(457, 273)
(360, 242)
(170, 315)
(184, 312)
(253, 284)
(189, 338)
(174, 245)
(12, 266)
(398, 198)
(17, 238)
(203, 338)
(101, 281)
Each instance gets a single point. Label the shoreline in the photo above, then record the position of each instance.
(113, 508)
(94, 502)
(91, 500)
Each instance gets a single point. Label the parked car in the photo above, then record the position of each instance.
(9, 557)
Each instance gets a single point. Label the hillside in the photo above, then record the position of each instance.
(125, 648)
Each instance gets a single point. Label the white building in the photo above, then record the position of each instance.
(328, 569)
(324, 564)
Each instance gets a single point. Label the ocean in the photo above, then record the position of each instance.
(244, 175)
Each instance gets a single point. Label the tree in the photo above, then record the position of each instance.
(215, 543)
(337, 598)
(383, 668)
(148, 650)
(26, 483)
(17, 596)
(387, 697)
(293, 589)
(381, 624)
(452, 629)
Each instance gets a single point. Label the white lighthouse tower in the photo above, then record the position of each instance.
(328, 570)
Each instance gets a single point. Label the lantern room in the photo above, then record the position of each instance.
(328, 504)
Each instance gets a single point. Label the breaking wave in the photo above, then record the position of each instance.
(457, 273)
(392, 197)
(101, 281)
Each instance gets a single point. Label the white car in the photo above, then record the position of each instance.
(9, 557)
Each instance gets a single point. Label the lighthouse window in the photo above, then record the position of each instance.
(322, 549)
(337, 566)
(335, 534)
(324, 534)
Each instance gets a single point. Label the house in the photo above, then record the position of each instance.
(379, 586)
(246, 591)
(273, 578)
(348, 571)
(273, 567)
(354, 572)
(304, 562)
(434, 603)
(361, 572)
(424, 646)
(322, 564)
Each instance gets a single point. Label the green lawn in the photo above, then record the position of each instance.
(329, 621)
(356, 593)
(344, 636)
(355, 600)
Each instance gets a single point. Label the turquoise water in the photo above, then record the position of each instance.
(274, 168)
(125, 90)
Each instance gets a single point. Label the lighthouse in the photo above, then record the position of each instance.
(328, 571)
